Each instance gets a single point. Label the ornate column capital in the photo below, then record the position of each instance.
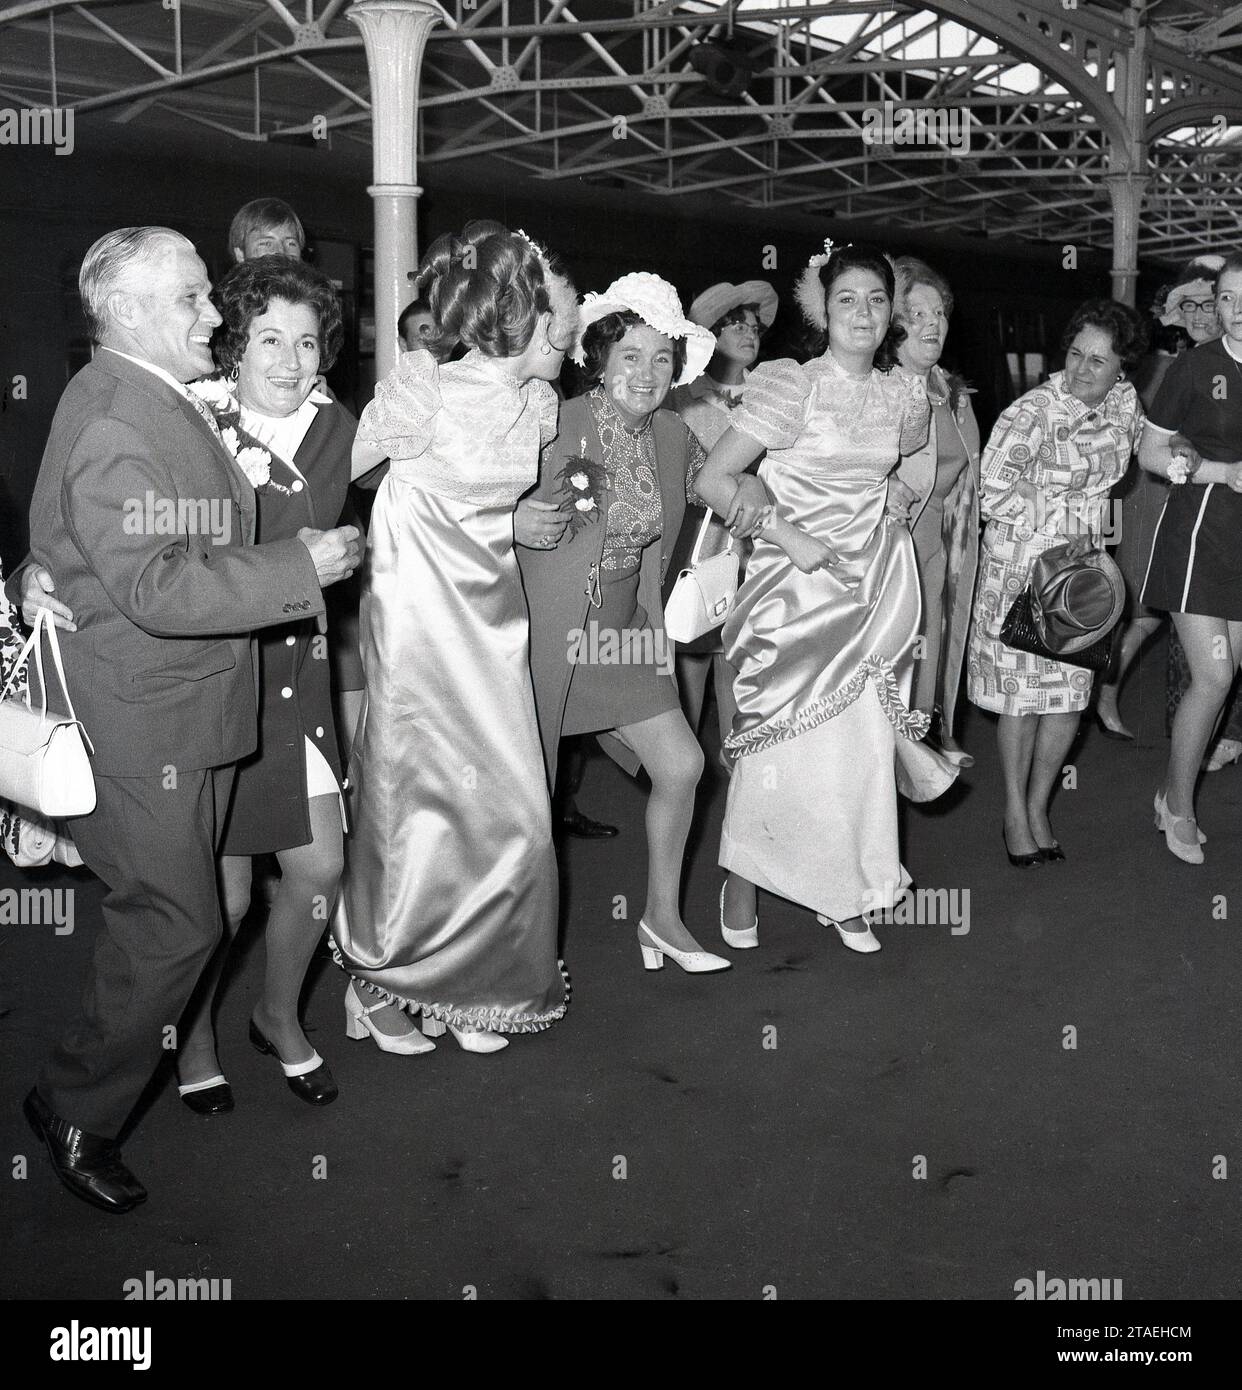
(394, 33)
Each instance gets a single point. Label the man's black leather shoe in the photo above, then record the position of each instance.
(584, 828)
(90, 1167)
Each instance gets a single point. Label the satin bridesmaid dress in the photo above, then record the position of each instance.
(449, 903)
(824, 661)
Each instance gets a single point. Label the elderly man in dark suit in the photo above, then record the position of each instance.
(160, 663)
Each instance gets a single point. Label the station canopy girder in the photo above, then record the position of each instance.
(1041, 102)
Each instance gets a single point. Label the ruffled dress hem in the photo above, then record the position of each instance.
(908, 723)
(493, 1020)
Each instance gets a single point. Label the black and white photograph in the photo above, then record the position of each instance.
(619, 644)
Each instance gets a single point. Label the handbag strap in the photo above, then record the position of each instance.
(54, 643)
(701, 539)
(41, 624)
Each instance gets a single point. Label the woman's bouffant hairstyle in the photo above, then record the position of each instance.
(860, 255)
(738, 315)
(486, 288)
(247, 290)
(603, 333)
(1125, 327)
(909, 271)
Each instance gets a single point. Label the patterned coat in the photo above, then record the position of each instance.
(1070, 454)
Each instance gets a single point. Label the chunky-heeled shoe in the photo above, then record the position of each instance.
(866, 943)
(1022, 861)
(310, 1081)
(1226, 751)
(740, 938)
(1163, 812)
(358, 1025)
(468, 1039)
(211, 1097)
(1166, 821)
(692, 962)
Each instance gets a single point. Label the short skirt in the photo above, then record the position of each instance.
(623, 667)
(1196, 557)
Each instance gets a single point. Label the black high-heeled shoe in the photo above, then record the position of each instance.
(1051, 854)
(1021, 861)
(310, 1081)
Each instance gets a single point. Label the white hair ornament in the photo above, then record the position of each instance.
(561, 293)
(809, 293)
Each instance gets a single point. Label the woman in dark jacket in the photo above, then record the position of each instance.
(600, 658)
(282, 327)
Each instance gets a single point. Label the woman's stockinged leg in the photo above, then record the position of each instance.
(1015, 740)
(692, 672)
(1136, 633)
(1053, 740)
(674, 761)
(299, 915)
(196, 1051)
(1211, 646)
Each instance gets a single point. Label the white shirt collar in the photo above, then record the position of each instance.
(178, 386)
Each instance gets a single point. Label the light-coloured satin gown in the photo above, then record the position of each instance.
(824, 661)
(449, 901)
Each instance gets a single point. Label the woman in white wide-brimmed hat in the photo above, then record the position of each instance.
(601, 662)
(737, 316)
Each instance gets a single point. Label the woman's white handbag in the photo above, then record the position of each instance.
(43, 759)
(704, 591)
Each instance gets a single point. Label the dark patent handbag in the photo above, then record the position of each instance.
(1068, 610)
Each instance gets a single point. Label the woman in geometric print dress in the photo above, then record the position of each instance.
(1053, 456)
(1196, 561)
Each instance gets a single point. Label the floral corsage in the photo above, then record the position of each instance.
(251, 457)
(582, 483)
(1180, 468)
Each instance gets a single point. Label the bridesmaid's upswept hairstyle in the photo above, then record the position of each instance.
(487, 286)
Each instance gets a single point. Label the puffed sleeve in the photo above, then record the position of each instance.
(916, 416)
(399, 419)
(1009, 458)
(774, 404)
(547, 404)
